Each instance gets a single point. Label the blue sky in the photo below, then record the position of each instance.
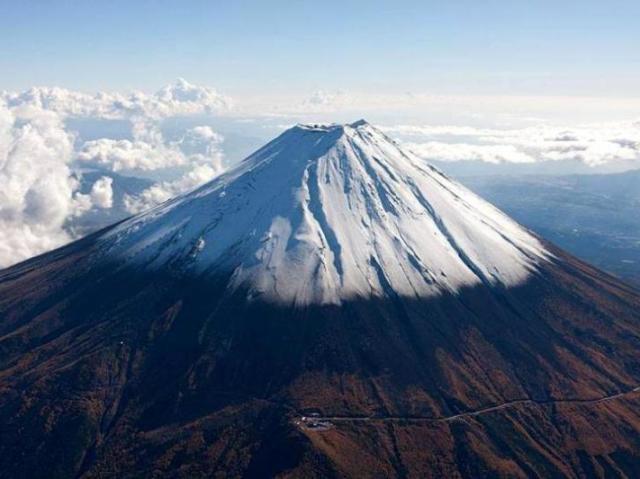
(587, 48)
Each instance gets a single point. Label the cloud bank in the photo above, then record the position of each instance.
(41, 158)
(199, 148)
(178, 99)
(37, 191)
(594, 145)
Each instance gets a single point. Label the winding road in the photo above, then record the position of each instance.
(306, 421)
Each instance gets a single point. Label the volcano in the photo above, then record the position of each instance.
(331, 307)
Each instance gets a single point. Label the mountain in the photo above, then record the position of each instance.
(326, 214)
(332, 307)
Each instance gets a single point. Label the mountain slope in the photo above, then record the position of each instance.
(329, 272)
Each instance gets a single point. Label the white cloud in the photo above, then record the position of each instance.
(102, 192)
(162, 191)
(39, 193)
(592, 144)
(178, 99)
(36, 186)
(202, 143)
(126, 155)
(184, 98)
(496, 154)
(200, 148)
(100, 196)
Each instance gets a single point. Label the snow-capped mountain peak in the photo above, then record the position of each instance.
(325, 213)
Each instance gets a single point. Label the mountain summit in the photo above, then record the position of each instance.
(327, 213)
(331, 307)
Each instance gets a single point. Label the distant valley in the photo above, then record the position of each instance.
(595, 217)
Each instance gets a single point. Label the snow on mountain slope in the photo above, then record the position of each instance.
(327, 213)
